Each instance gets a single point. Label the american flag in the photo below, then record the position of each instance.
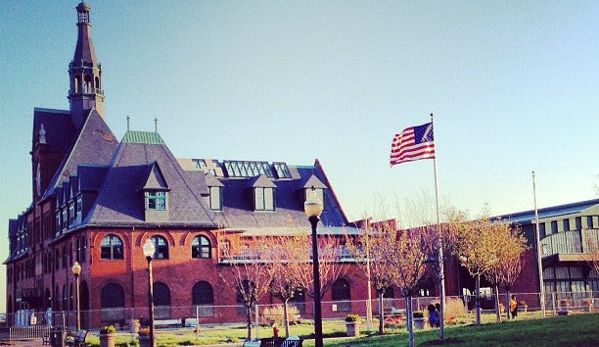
(414, 143)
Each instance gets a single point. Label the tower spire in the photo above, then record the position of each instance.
(85, 72)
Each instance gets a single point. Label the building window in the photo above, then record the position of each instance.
(65, 219)
(216, 201)
(161, 247)
(578, 222)
(71, 212)
(566, 225)
(282, 170)
(590, 222)
(264, 199)
(111, 248)
(200, 247)
(78, 205)
(318, 193)
(155, 201)
(341, 295)
(542, 230)
(554, 227)
(203, 296)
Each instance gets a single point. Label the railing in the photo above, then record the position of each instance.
(188, 316)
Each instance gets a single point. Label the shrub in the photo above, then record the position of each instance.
(107, 329)
(274, 314)
(454, 311)
(352, 317)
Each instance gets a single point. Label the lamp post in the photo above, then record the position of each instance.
(149, 249)
(76, 269)
(313, 209)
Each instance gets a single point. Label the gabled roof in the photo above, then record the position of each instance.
(95, 144)
(154, 178)
(120, 202)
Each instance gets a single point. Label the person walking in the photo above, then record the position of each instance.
(513, 306)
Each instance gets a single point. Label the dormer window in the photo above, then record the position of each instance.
(317, 192)
(216, 199)
(155, 200)
(264, 199)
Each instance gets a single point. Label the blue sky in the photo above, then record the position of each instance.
(513, 86)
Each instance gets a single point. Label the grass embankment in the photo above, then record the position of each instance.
(579, 330)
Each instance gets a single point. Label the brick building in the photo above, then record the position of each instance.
(96, 200)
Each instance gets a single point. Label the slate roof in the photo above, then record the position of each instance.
(238, 212)
(121, 201)
(94, 145)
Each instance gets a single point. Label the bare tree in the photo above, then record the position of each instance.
(593, 251)
(250, 274)
(409, 251)
(284, 286)
(368, 250)
(299, 263)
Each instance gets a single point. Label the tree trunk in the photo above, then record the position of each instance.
(477, 299)
(497, 313)
(285, 316)
(409, 321)
(249, 321)
(381, 313)
(507, 304)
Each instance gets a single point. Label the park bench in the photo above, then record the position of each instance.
(275, 342)
(77, 340)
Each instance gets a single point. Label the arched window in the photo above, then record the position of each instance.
(65, 298)
(162, 301)
(111, 247)
(203, 296)
(161, 247)
(112, 301)
(341, 295)
(200, 247)
(87, 85)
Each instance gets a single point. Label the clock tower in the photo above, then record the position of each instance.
(85, 72)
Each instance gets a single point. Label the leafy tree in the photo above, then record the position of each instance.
(510, 247)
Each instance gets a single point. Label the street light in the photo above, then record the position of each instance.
(313, 209)
(76, 269)
(149, 249)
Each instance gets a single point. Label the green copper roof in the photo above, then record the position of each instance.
(145, 137)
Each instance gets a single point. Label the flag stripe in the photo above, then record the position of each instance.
(414, 143)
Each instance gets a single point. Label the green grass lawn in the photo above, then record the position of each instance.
(578, 330)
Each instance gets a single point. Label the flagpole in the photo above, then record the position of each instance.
(539, 249)
(440, 255)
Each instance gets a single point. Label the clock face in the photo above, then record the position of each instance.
(38, 179)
